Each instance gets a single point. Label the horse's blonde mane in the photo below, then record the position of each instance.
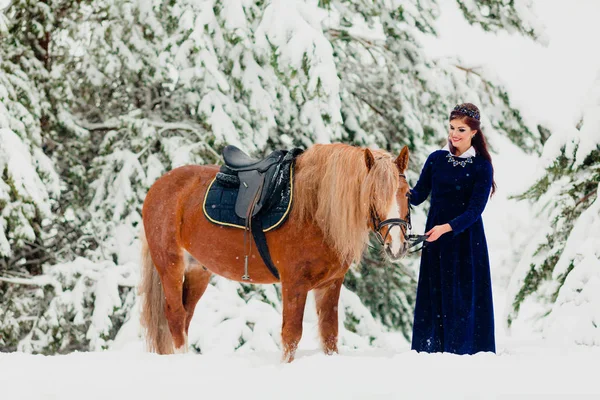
(335, 190)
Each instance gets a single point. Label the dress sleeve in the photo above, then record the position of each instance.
(479, 198)
(421, 191)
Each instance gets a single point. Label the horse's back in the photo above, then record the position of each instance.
(166, 196)
(181, 179)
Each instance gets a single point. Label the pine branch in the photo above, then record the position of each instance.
(468, 70)
(373, 107)
(586, 197)
(22, 281)
(37, 261)
(339, 33)
(367, 44)
(111, 124)
(484, 81)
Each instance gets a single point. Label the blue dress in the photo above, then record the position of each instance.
(454, 311)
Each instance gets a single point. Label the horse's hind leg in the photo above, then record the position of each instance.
(163, 315)
(194, 286)
(327, 299)
(171, 268)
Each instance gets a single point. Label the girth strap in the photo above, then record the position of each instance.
(261, 244)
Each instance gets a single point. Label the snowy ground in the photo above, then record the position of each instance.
(521, 370)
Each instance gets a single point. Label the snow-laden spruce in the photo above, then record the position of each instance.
(561, 266)
(29, 180)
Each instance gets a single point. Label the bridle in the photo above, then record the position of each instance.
(413, 240)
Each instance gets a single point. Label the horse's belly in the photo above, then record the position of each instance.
(297, 255)
(228, 261)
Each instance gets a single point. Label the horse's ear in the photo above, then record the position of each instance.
(402, 160)
(369, 159)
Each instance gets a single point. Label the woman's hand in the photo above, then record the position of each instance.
(437, 231)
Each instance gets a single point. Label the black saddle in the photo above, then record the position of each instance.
(261, 185)
(257, 178)
(237, 160)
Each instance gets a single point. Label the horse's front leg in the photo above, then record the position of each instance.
(326, 299)
(294, 300)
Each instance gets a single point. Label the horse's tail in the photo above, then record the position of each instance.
(153, 319)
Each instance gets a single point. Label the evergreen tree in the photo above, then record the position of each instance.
(46, 307)
(29, 182)
(561, 270)
(393, 94)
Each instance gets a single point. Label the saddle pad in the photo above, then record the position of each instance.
(219, 205)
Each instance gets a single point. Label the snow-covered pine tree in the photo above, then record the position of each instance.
(46, 307)
(29, 182)
(394, 94)
(561, 268)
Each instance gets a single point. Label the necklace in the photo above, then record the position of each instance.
(455, 162)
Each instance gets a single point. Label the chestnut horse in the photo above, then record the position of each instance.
(340, 193)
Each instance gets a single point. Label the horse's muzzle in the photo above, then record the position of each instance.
(410, 241)
(401, 252)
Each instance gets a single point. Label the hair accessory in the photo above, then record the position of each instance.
(467, 112)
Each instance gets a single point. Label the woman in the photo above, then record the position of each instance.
(454, 311)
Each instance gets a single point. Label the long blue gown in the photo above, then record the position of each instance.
(454, 311)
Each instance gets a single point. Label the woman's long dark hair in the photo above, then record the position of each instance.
(478, 141)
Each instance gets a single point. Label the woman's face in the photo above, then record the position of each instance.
(460, 134)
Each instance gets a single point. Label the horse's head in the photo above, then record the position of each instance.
(389, 208)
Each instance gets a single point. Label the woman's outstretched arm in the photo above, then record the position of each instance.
(421, 191)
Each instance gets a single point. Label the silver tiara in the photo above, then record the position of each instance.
(467, 112)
